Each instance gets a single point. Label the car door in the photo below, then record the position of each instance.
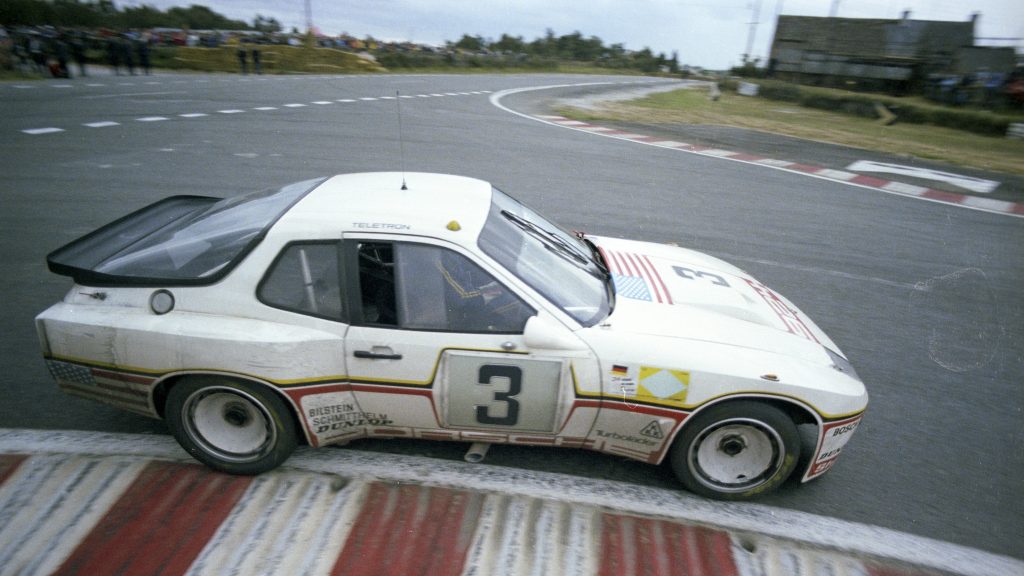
(437, 349)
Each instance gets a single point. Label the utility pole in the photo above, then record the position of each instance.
(834, 10)
(770, 58)
(309, 16)
(832, 13)
(748, 57)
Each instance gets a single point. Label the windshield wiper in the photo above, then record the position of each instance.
(549, 238)
(602, 265)
(596, 255)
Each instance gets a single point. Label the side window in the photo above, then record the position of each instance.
(442, 290)
(304, 279)
(377, 283)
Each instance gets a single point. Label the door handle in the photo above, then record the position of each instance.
(377, 355)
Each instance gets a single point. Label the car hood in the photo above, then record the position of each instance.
(669, 291)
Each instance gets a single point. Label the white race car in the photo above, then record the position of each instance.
(438, 307)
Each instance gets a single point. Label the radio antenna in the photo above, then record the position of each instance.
(401, 138)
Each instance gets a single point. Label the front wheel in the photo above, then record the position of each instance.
(231, 426)
(736, 450)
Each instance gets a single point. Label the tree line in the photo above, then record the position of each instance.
(105, 14)
(572, 46)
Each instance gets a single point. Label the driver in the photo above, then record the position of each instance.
(475, 301)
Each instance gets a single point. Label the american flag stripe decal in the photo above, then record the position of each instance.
(632, 287)
(123, 389)
(636, 277)
(652, 273)
(790, 319)
(71, 373)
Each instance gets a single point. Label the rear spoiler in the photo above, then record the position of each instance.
(79, 258)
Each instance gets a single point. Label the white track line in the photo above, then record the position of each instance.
(37, 131)
(102, 124)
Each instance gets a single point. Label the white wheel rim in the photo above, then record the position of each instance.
(229, 424)
(736, 455)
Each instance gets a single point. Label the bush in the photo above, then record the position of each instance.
(780, 91)
(853, 104)
(865, 106)
(970, 120)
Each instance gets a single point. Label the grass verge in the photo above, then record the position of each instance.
(693, 106)
(275, 60)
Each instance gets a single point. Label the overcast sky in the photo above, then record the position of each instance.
(709, 33)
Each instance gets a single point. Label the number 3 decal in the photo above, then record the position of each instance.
(514, 375)
(691, 274)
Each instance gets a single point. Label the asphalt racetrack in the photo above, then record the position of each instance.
(924, 298)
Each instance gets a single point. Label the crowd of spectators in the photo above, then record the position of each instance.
(63, 52)
(52, 51)
(988, 89)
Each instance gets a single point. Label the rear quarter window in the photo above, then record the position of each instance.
(304, 279)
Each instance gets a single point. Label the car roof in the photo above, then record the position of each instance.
(377, 202)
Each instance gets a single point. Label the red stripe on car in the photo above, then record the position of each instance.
(657, 278)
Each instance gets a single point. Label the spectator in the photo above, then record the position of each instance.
(6, 50)
(78, 52)
(124, 45)
(143, 51)
(35, 51)
(21, 53)
(256, 64)
(242, 60)
(114, 54)
(62, 54)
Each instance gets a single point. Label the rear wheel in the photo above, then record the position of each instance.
(231, 426)
(737, 450)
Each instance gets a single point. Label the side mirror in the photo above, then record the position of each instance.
(544, 332)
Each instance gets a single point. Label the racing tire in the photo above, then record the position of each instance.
(231, 426)
(736, 451)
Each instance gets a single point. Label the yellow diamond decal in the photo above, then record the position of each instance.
(664, 384)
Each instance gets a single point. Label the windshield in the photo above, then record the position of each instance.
(200, 246)
(553, 262)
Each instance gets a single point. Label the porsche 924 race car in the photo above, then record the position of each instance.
(356, 306)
